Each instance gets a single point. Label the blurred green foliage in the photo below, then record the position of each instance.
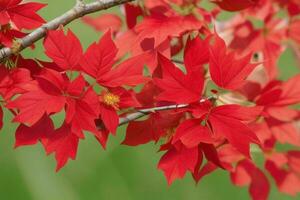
(120, 172)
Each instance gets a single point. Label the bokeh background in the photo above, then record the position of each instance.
(120, 172)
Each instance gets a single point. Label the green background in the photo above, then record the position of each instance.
(120, 172)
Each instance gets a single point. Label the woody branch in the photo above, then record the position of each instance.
(79, 10)
(141, 113)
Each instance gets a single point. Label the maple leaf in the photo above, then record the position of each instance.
(81, 112)
(14, 82)
(230, 121)
(178, 87)
(41, 130)
(23, 15)
(191, 133)
(100, 58)
(45, 97)
(246, 173)
(284, 132)
(34, 104)
(64, 144)
(265, 41)
(286, 181)
(158, 125)
(177, 161)
(235, 5)
(64, 50)
(227, 71)
(196, 53)
(208, 168)
(161, 27)
(132, 12)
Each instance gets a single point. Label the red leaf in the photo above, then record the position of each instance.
(99, 58)
(110, 118)
(129, 72)
(64, 144)
(191, 133)
(157, 125)
(132, 12)
(178, 87)
(294, 160)
(241, 113)
(227, 71)
(25, 16)
(33, 105)
(162, 27)
(64, 50)
(235, 5)
(208, 168)
(224, 122)
(14, 81)
(42, 130)
(196, 53)
(247, 173)
(290, 94)
(286, 181)
(285, 132)
(176, 162)
(22, 15)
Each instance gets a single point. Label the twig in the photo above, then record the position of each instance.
(144, 112)
(79, 10)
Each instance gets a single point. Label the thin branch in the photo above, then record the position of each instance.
(79, 10)
(144, 112)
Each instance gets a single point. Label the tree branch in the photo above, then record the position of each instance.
(144, 112)
(79, 10)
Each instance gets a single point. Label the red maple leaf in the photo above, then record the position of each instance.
(246, 173)
(191, 133)
(22, 15)
(46, 97)
(64, 144)
(161, 27)
(99, 59)
(177, 161)
(64, 50)
(287, 181)
(235, 5)
(178, 87)
(41, 130)
(229, 122)
(226, 70)
(14, 82)
(159, 124)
